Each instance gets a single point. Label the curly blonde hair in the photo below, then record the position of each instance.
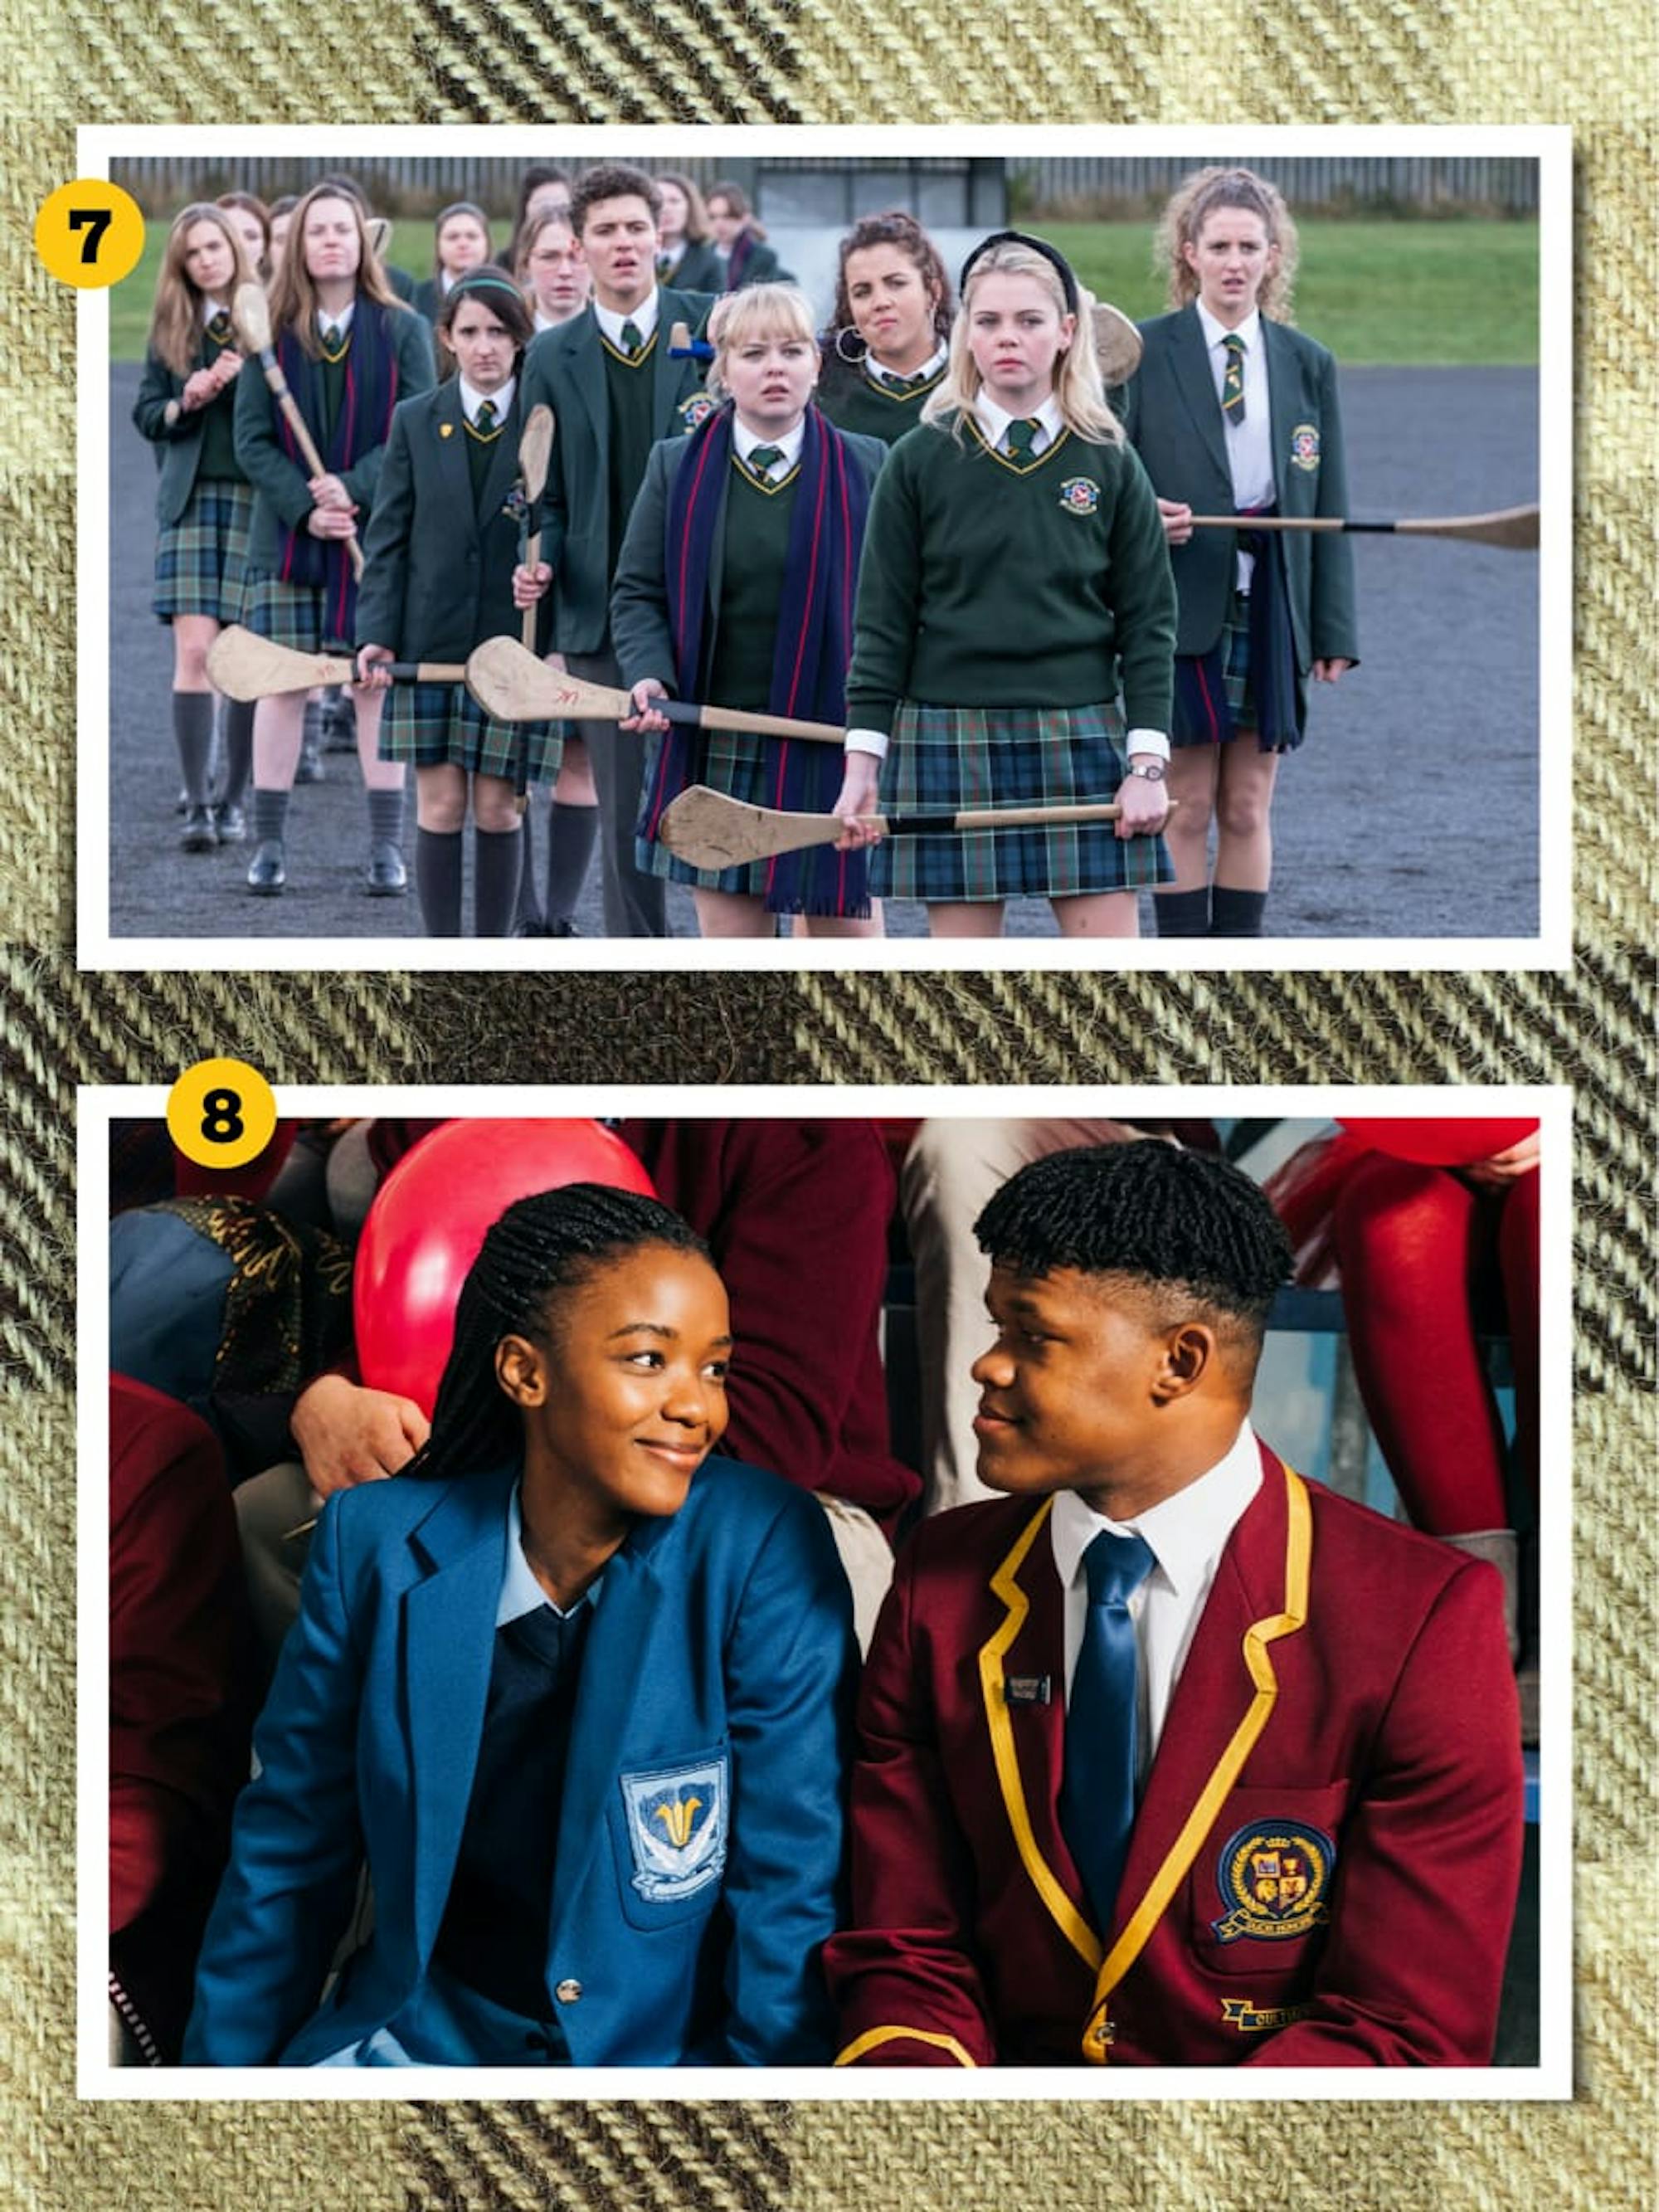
(759, 310)
(1078, 392)
(1190, 207)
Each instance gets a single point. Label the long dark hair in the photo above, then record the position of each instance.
(540, 1251)
(493, 288)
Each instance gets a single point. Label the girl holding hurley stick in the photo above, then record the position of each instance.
(1014, 564)
(438, 580)
(1233, 411)
(204, 505)
(735, 585)
(349, 351)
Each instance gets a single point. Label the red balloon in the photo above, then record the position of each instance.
(1440, 1143)
(428, 1222)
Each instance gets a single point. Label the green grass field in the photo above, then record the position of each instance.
(1403, 294)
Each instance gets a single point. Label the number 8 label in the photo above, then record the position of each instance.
(222, 1114)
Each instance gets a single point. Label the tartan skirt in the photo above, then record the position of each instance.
(738, 763)
(1233, 646)
(435, 724)
(290, 615)
(201, 560)
(945, 758)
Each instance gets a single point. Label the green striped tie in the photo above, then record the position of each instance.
(484, 421)
(1232, 383)
(631, 339)
(1019, 438)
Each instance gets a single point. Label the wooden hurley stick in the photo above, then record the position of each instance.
(251, 313)
(516, 687)
(1117, 344)
(710, 830)
(1514, 527)
(244, 666)
(535, 451)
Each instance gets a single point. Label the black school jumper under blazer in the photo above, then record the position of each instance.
(1172, 414)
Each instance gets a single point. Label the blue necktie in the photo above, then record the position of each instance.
(1097, 1792)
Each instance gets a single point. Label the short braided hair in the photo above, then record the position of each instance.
(539, 1251)
(1167, 1219)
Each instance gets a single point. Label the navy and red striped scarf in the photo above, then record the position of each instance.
(814, 644)
(363, 422)
(1202, 713)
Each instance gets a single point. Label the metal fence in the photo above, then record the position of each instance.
(944, 189)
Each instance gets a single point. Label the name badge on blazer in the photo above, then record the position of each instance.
(676, 1825)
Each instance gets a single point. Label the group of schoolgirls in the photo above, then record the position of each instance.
(932, 529)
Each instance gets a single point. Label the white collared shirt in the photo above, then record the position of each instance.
(1187, 1534)
(340, 323)
(889, 377)
(994, 420)
(643, 318)
(500, 401)
(788, 443)
(209, 308)
(1249, 443)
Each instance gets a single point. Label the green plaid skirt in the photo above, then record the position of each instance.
(201, 560)
(290, 615)
(739, 765)
(1235, 647)
(431, 724)
(947, 758)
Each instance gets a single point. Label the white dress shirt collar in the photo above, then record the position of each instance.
(1186, 1532)
(500, 401)
(643, 318)
(340, 322)
(744, 440)
(520, 1591)
(994, 420)
(931, 367)
(1214, 332)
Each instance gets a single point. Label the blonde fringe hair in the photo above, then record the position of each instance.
(175, 323)
(758, 311)
(293, 293)
(1191, 207)
(1079, 393)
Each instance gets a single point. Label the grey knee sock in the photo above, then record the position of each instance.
(1182, 913)
(385, 817)
(238, 750)
(192, 727)
(1236, 914)
(571, 848)
(494, 879)
(438, 880)
(269, 815)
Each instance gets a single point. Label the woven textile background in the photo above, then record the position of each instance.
(1324, 61)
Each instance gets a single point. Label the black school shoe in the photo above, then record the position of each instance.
(231, 824)
(199, 834)
(386, 875)
(268, 870)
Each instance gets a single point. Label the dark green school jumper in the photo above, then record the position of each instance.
(1001, 613)
(854, 400)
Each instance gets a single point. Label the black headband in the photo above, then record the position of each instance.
(1056, 260)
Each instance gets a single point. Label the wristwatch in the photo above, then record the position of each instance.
(1151, 771)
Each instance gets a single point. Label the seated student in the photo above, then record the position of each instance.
(577, 1695)
(1170, 1757)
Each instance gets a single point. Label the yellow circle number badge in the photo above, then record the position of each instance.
(221, 1113)
(89, 233)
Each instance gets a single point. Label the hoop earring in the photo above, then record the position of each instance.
(853, 360)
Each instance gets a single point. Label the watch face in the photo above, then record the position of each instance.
(1151, 772)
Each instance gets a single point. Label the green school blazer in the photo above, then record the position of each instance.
(178, 443)
(1173, 416)
(437, 568)
(281, 500)
(564, 369)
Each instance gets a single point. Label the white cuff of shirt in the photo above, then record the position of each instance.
(1151, 743)
(873, 742)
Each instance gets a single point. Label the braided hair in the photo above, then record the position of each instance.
(1176, 1221)
(541, 1249)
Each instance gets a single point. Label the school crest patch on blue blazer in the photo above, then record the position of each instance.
(676, 1826)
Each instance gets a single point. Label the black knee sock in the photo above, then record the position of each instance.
(494, 879)
(386, 817)
(192, 727)
(1182, 913)
(527, 913)
(571, 848)
(269, 815)
(239, 751)
(1236, 914)
(438, 880)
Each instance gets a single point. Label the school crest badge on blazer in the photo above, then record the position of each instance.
(676, 1826)
(695, 410)
(1304, 446)
(1275, 1880)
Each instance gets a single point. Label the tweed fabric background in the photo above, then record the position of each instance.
(1323, 61)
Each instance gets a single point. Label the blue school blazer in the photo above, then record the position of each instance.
(718, 1666)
